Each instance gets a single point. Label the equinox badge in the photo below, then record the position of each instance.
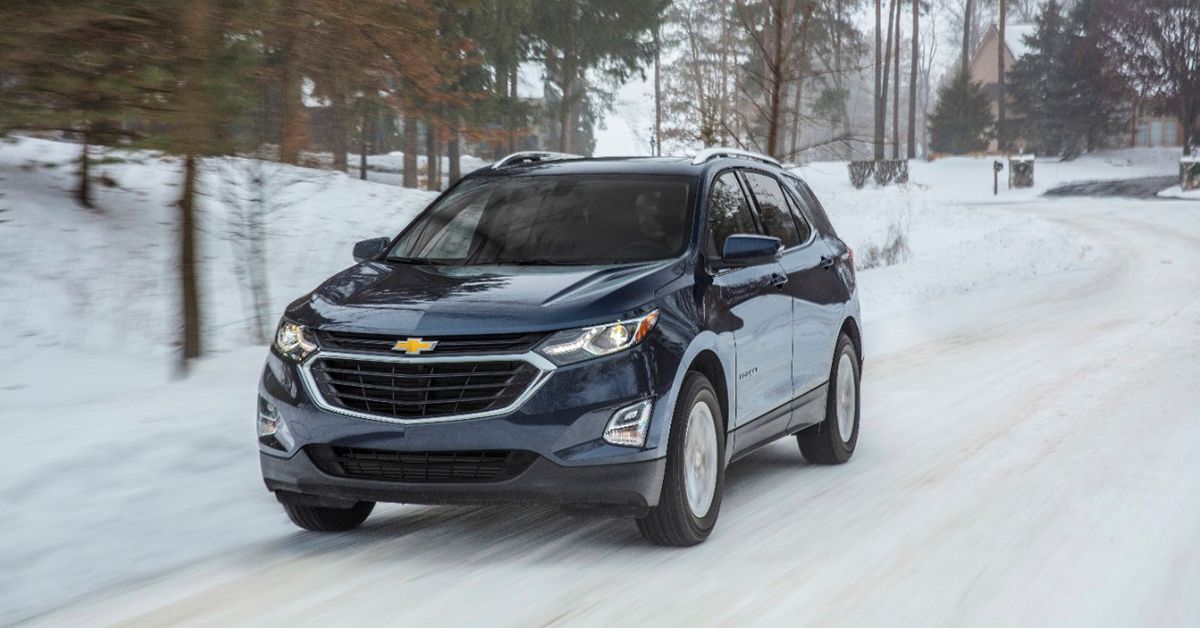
(414, 346)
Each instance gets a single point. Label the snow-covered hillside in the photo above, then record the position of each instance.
(121, 473)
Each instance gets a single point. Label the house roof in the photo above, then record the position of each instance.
(1014, 38)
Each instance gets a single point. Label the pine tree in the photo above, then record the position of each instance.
(962, 121)
(1070, 96)
(76, 67)
(578, 39)
(1036, 83)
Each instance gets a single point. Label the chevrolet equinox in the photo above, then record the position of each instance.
(600, 334)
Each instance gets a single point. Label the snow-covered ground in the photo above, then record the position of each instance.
(121, 473)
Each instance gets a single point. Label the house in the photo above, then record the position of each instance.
(984, 67)
(1149, 130)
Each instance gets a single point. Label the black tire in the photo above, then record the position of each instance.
(326, 519)
(822, 443)
(672, 521)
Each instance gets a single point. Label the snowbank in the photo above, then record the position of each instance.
(957, 241)
(1178, 192)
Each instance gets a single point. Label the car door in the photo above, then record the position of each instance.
(750, 306)
(807, 262)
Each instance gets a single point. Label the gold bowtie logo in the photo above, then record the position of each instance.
(414, 346)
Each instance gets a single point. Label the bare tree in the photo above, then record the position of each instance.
(914, 66)
(1156, 46)
(879, 130)
(1001, 129)
(896, 91)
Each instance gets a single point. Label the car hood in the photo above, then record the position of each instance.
(386, 298)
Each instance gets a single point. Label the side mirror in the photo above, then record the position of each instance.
(748, 250)
(370, 249)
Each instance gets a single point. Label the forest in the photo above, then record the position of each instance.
(328, 83)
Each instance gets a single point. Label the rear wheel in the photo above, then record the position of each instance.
(326, 519)
(691, 495)
(832, 441)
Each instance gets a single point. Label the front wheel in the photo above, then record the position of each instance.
(691, 495)
(832, 441)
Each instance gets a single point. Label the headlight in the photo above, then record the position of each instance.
(574, 345)
(294, 341)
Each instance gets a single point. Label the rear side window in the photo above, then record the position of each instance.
(774, 210)
(728, 213)
(811, 203)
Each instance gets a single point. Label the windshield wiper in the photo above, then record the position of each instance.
(537, 262)
(417, 261)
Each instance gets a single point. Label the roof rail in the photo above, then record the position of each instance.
(531, 156)
(713, 153)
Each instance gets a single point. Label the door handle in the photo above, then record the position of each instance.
(779, 280)
(827, 261)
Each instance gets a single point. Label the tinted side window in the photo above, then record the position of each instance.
(728, 213)
(812, 205)
(798, 215)
(774, 210)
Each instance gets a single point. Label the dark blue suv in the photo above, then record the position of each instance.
(602, 334)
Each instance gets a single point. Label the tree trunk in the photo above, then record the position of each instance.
(454, 156)
(189, 290)
(514, 98)
(565, 129)
(775, 65)
(432, 161)
(199, 33)
(1134, 113)
(1001, 125)
(912, 80)
(896, 91)
(887, 73)
(362, 143)
(410, 151)
(801, 67)
(966, 46)
(83, 192)
(429, 158)
(878, 80)
(292, 114)
(338, 130)
(657, 93)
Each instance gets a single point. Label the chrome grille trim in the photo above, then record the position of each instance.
(545, 369)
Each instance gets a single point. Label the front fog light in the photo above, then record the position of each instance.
(272, 431)
(629, 425)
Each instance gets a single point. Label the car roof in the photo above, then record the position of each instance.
(678, 166)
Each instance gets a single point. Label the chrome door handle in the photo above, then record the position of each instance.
(827, 261)
(779, 280)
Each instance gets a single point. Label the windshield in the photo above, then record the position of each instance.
(553, 219)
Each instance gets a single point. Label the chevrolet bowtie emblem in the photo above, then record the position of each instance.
(414, 346)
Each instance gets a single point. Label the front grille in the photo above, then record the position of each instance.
(420, 466)
(446, 345)
(421, 390)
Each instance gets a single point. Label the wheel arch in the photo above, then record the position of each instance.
(850, 328)
(709, 365)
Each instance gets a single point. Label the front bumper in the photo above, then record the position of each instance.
(562, 423)
(630, 487)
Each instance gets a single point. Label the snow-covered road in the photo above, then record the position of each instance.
(1029, 457)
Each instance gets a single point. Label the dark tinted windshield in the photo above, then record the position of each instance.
(553, 219)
